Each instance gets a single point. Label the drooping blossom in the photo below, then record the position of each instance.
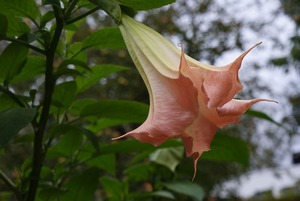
(188, 99)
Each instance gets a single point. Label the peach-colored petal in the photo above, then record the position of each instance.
(174, 106)
(198, 137)
(219, 87)
(238, 107)
(216, 106)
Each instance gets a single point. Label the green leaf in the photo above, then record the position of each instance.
(51, 2)
(11, 67)
(97, 123)
(4, 25)
(30, 37)
(17, 13)
(279, 61)
(86, 4)
(92, 138)
(71, 30)
(139, 172)
(67, 72)
(187, 188)
(78, 105)
(129, 111)
(70, 141)
(262, 115)
(130, 146)
(24, 138)
(16, 27)
(75, 62)
(75, 52)
(106, 162)
(97, 72)
(35, 65)
(104, 38)
(115, 189)
(6, 102)
(82, 186)
(46, 171)
(145, 4)
(142, 196)
(24, 8)
(100, 124)
(12, 121)
(227, 148)
(61, 48)
(47, 18)
(67, 68)
(111, 7)
(51, 193)
(64, 94)
(163, 194)
(168, 157)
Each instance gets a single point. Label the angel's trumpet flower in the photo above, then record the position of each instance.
(188, 99)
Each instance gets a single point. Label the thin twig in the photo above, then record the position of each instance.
(9, 183)
(25, 44)
(70, 8)
(75, 19)
(38, 151)
(12, 96)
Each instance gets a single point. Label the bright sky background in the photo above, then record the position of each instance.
(278, 26)
(264, 180)
(282, 84)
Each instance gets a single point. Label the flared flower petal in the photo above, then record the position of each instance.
(188, 99)
(217, 108)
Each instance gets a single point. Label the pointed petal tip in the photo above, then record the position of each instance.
(236, 64)
(116, 138)
(254, 46)
(258, 43)
(264, 99)
(196, 157)
(273, 101)
(119, 137)
(183, 65)
(179, 45)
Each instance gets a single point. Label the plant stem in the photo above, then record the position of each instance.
(9, 183)
(25, 44)
(12, 96)
(38, 150)
(75, 19)
(70, 8)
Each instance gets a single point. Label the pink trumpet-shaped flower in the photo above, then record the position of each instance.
(188, 99)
